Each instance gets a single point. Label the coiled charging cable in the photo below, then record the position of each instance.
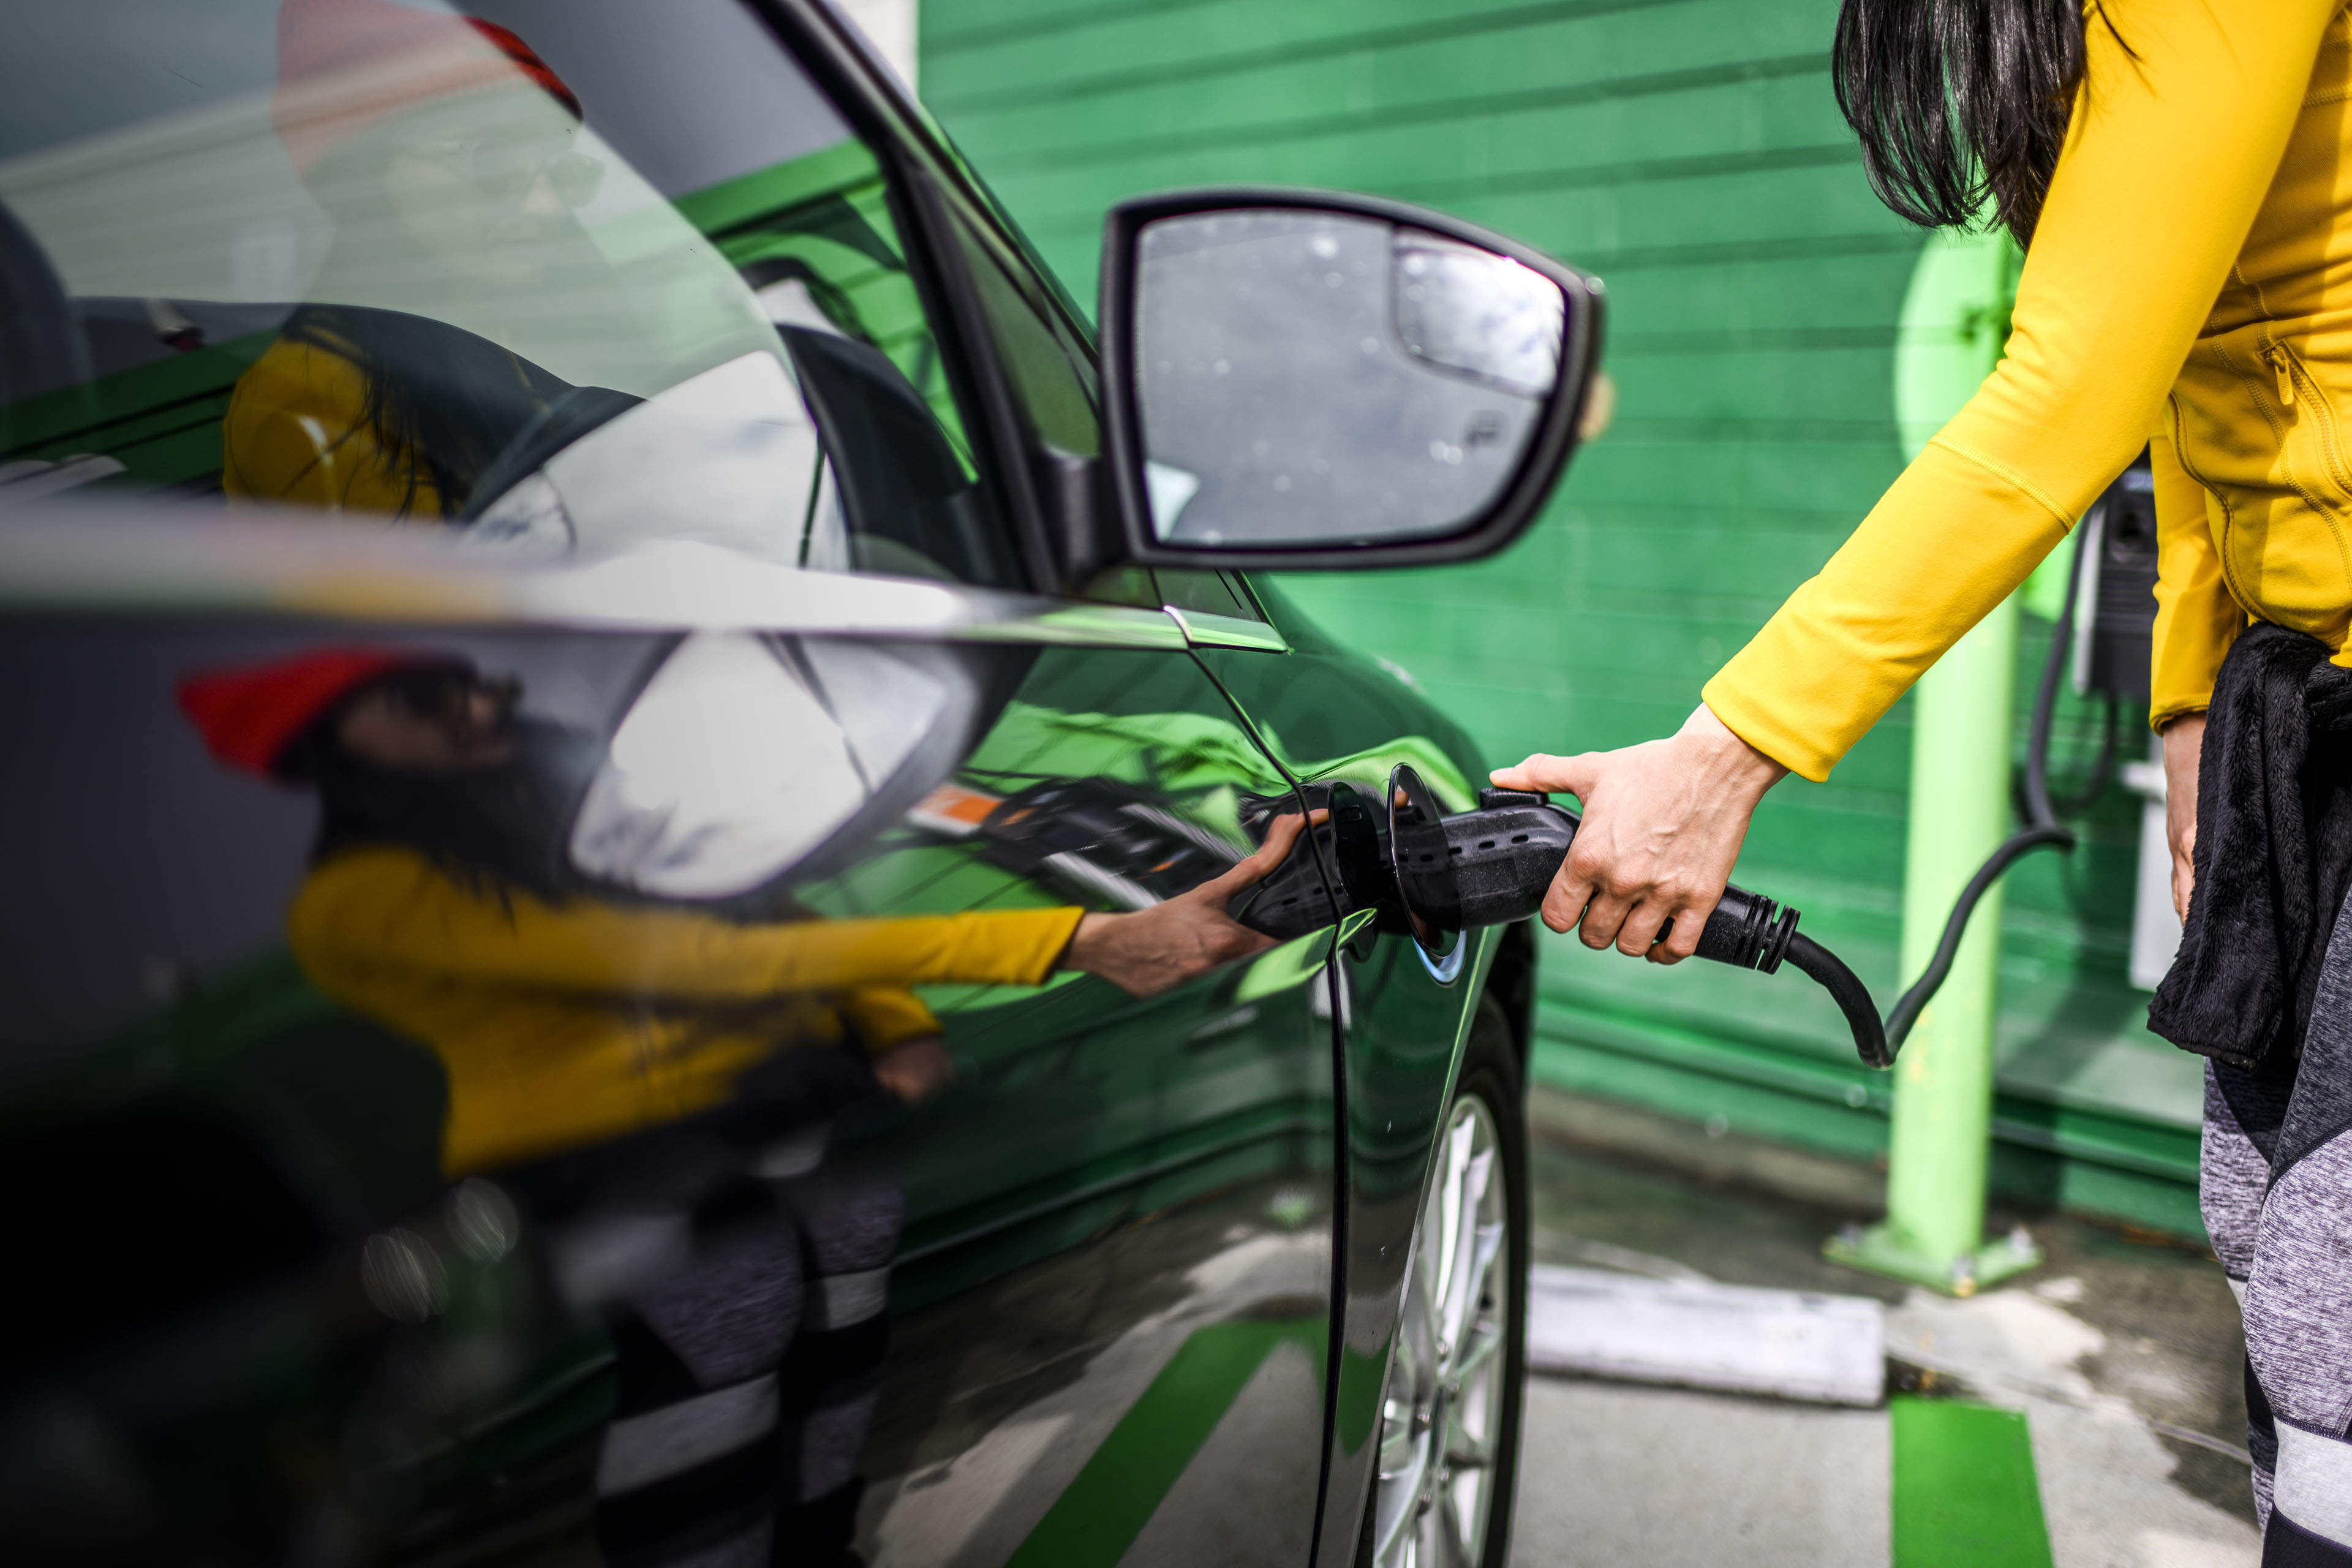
(2041, 828)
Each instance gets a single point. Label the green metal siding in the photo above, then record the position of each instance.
(1690, 153)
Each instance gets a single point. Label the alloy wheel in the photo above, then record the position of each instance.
(1442, 1412)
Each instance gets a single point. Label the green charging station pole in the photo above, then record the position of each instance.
(1955, 320)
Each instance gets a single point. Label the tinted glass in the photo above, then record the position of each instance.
(1210, 593)
(1052, 375)
(558, 276)
(1182, 588)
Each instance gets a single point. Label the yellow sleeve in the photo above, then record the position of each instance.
(2196, 618)
(887, 1016)
(373, 910)
(293, 433)
(2171, 149)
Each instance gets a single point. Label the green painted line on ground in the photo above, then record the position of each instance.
(1964, 1492)
(1109, 1500)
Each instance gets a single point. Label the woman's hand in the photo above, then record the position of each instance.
(2184, 740)
(1155, 949)
(1663, 824)
(914, 1070)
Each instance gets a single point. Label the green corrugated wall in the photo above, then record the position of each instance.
(1688, 151)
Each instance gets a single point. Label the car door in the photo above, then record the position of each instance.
(1170, 1422)
(1333, 715)
(1116, 1269)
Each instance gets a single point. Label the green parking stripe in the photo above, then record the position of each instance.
(1964, 1487)
(1107, 1502)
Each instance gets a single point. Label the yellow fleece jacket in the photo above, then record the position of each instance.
(2191, 286)
(561, 1024)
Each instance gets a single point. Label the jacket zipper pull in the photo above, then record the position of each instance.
(2285, 370)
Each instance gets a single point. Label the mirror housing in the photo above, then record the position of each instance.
(1426, 403)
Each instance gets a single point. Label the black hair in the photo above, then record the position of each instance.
(443, 402)
(494, 828)
(1958, 100)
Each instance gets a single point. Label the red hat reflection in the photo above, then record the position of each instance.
(345, 66)
(250, 717)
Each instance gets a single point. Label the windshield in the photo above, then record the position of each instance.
(558, 276)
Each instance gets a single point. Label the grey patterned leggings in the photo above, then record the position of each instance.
(2277, 1192)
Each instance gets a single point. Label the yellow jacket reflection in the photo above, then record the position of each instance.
(297, 431)
(376, 410)
(564, 1024)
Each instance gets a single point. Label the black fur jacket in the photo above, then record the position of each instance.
(2274, 854)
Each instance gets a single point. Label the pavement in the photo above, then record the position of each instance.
(2121, 1354)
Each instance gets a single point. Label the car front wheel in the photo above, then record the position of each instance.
(1450, 1412)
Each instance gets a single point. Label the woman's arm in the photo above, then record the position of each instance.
(2195, 622)
(1147, 951)
(2184, 742)
(2196, 618)
(389, 910)
(2171, 149)
(378, 910)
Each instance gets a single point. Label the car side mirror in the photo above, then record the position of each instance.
(1311, 379)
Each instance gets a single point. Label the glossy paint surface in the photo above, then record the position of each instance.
(1114, 1208)
(1403, 1019)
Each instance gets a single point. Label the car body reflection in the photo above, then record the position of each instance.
(747, 1006)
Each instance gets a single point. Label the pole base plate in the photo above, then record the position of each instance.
(1878, 1249)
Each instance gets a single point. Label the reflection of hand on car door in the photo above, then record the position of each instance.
(914, 1070)
(1153, 949)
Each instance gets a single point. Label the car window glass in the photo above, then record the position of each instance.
(557, 277)
(1052, 375)
(1175, 588)
(1124, 585)
(1210, 593)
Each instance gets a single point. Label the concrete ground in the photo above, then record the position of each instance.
(2122, 1350)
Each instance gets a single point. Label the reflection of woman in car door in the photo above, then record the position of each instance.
(655, 1081)
(444, 150)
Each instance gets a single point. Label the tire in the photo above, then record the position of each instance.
(1449, 1447)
